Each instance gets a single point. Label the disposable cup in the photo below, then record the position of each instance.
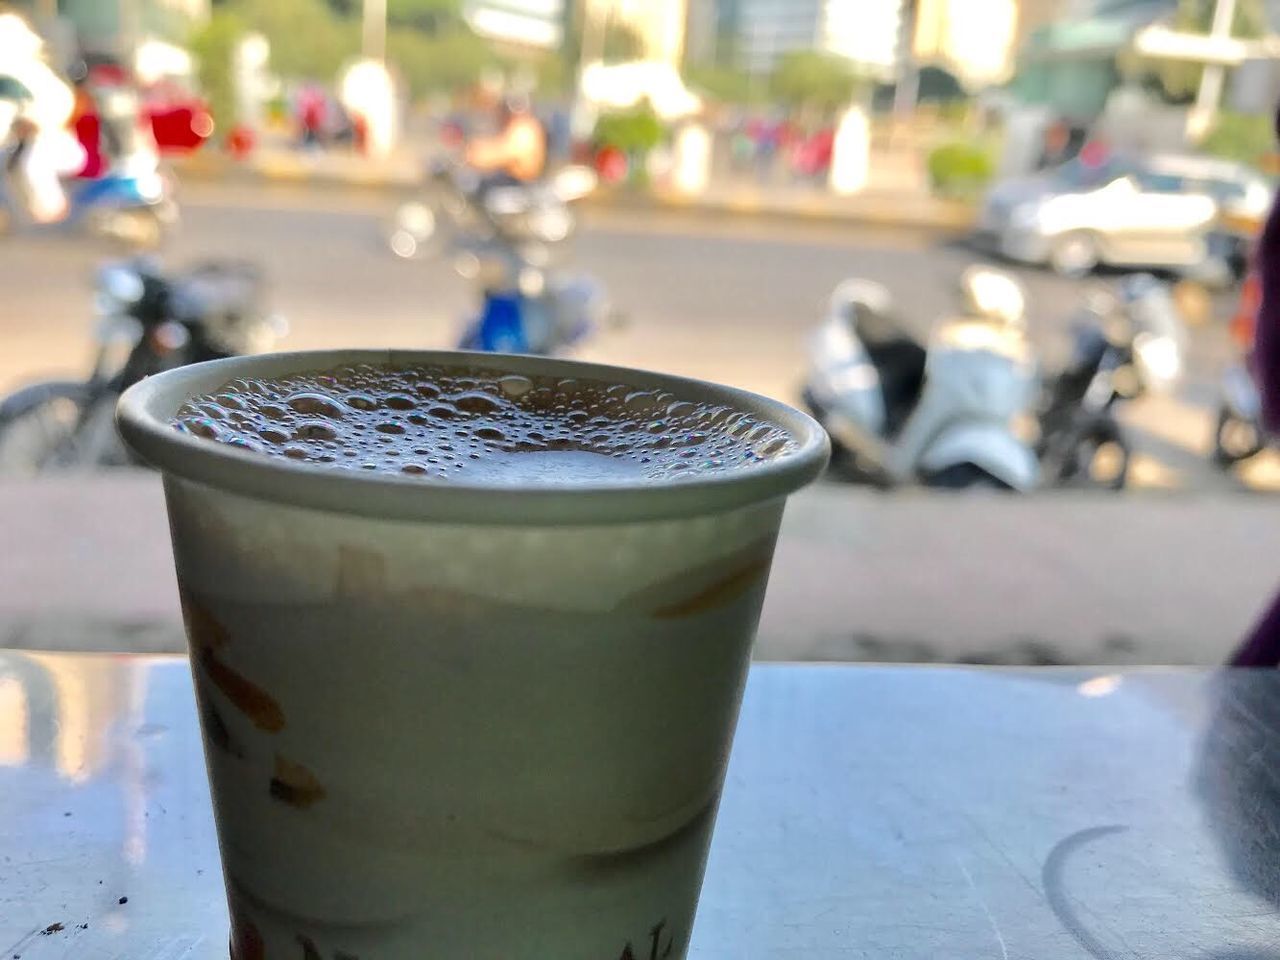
(483, 721)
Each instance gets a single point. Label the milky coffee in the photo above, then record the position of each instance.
(475, 427)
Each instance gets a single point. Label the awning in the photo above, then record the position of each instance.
(1091, 38)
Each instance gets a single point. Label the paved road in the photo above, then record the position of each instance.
(728, 299)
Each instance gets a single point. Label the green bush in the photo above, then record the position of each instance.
(635, 132)
(450, 60)
(959, 169)
(1239, 136)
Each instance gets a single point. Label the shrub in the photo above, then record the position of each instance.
(1247, 138)
(634, 132)
(959, 169)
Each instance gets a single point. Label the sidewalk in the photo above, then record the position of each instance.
(889, 200)
(858, 575)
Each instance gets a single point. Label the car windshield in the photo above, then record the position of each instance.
(1078, 174)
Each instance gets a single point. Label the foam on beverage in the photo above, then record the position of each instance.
(443, 423)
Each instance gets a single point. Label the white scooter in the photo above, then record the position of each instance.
(942, 416)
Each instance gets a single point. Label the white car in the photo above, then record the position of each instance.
(1158, 211)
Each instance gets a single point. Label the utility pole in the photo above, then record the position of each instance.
(596, 15)
(374, 29)
(907, 88)
(1202, 115)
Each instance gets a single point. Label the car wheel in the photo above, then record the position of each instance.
(1074, 254)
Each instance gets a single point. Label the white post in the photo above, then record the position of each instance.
(851, 152)
(1200, 118)
(374, 32)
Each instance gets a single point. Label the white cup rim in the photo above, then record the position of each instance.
(145, 412)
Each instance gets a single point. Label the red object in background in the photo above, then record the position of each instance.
(1245, 319)
(180, 121)
(1095, 153)
(88, 131)
(359, 133)
(108, 74)
(179, 128)
(611, 165)
(452, 134)
(240, 141)
(812, 156)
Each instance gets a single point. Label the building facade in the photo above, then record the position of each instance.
(659, 25)
(975, 40)
(867, 32)
(524, 23)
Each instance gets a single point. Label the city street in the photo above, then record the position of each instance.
(731, 299)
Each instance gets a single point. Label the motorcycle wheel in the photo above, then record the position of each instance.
(133, 228)
(1234, 440)
(846, 465)
(1093, 456)
(39, 429)
(964, 476)
(849, 467)
(1074, 255)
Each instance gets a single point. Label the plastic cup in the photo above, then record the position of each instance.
(463, 721)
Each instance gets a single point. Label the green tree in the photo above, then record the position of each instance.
(429, 16)
(213, 45)
(619, 44)
(307, 38)
(1179, 80)
(551, 75)
(808, 78)
(724, 84)
(635, 131)
(448, 61)
(1246, 138)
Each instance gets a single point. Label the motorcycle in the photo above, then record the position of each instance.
(130, 203)
(1238, 434)
(456, 212)
(942, 414)
(146, 322)
(1129, 341)
(526, 307)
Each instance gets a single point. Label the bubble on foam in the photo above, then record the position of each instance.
(434, 423)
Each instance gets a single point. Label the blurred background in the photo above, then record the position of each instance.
(1001, 248)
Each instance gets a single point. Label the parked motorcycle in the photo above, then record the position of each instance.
(942, 414)
(146, 321)
(1238, 434)
(455, 212)
(1129, 341)
(130, 203)
(528, 307)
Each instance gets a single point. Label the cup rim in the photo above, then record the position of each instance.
(145, 410)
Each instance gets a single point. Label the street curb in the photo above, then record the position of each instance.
(943, 215)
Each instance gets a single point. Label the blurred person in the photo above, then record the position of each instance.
(559, 127)
(35, 125)
(516, 154)
(766, 135)
(811, 155)
(312, 109)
